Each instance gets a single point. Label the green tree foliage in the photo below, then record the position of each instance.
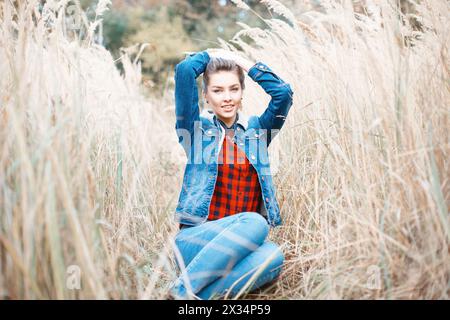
(171, 27)
(165, 34)
(116, 29)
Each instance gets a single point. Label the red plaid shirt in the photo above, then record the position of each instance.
(237, 187)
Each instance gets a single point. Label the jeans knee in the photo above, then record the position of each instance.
(257, 221)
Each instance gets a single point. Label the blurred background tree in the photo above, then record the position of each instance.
(171, 27)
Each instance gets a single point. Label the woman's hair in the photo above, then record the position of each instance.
(219, 64)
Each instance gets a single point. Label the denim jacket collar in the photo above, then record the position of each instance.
(242, 118)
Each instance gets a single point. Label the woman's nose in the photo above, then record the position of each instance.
(227, 96)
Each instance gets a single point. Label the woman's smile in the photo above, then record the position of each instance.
(228, 108)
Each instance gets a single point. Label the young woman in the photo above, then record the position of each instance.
(227, 202)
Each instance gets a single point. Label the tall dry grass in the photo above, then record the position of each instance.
(83, 181)
(90, 168)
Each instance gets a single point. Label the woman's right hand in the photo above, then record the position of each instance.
(230, 55)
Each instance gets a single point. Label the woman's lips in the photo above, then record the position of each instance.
(228, 108)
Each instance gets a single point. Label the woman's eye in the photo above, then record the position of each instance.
(234, 89)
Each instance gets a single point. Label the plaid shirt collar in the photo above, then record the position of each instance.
(232, 127)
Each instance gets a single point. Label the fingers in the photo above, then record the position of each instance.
(222, 53)
(230, 55)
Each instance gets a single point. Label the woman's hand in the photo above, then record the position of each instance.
(229, 55)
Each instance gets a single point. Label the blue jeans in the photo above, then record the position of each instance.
(221, 256)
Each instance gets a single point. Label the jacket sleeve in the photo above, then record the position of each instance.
(186, 93)
(276, 112)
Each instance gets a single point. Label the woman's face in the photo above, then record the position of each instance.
(224, 94)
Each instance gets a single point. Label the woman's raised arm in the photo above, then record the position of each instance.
(186, 95)
(276, 112)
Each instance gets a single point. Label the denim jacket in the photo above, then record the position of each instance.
(201, 137)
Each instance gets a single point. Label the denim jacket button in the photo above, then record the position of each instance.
(262, 178)
(267, 199)
(253, 157)
(256, 135)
